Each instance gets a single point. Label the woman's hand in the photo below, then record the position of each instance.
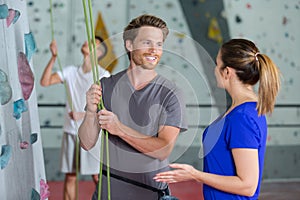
(181, 172)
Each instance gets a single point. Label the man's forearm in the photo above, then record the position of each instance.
(157, 147)
(46, 76)
(88, 131)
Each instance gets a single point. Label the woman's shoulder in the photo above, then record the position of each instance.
(245, 112)
(245, 108)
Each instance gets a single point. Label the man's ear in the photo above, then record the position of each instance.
(227, 70)
(128, 45)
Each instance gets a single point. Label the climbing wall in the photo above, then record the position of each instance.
(273, 26)
(196, 26)
(22, 174)
(180, 63)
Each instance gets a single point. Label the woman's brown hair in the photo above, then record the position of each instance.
(252, 66)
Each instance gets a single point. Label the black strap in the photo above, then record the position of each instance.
(136, 183)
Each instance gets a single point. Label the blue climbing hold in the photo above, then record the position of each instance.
(33, 138)
(3, 11)
(5, 155)
(30, 47)
(19, 107)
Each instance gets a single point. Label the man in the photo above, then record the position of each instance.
(78, 80)
(143, 115)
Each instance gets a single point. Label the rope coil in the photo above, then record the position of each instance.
(93, 59)
(91, 41)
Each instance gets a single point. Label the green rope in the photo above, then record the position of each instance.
(77, 165)
(108, 165)
(93, 40)
(58, 59)
(93, 59)
(69, 99)
(101, 166)
(89, 39)
(51, 20)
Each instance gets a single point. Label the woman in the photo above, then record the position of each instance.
(234, 144)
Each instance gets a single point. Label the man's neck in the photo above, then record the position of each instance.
(140, 77)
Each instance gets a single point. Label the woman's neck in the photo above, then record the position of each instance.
(241, 95)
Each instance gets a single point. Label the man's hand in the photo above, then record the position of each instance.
(53, 48)
(110, 122)
(93, 97)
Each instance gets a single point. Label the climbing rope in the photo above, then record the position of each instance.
(91, 41)
(69, 99)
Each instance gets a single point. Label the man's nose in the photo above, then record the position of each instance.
(152, 48)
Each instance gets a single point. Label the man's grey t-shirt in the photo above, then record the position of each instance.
(157, 104)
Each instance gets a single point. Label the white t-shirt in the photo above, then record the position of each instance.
(77, 83)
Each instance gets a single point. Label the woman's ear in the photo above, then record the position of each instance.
(227, 72)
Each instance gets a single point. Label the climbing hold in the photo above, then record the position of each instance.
(33, 138)
(24, 145)
(214, 31)
(238, 19)
(26, 77)
(5, 155)
(44, 190)
(35, 195)
(3, 11)
(19, 107)
(5, 89)
(17, 15)
(10, 17)
(30, 47)
(13, 16)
